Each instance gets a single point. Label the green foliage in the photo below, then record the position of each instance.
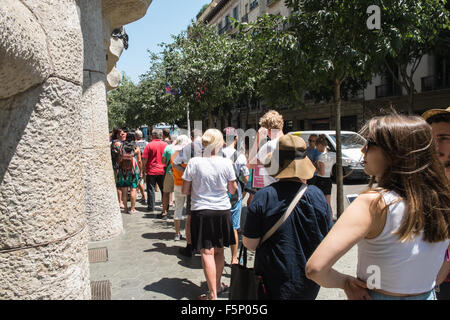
(335, 40)
(122, 103)
(409, 30)
(275, 61)
(324, 43)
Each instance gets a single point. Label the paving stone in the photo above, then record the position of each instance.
(144, 263)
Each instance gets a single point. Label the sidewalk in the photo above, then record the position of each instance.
(144, 263)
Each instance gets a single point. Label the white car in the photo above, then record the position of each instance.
(352, 156)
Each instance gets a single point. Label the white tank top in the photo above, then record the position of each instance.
(406, 268)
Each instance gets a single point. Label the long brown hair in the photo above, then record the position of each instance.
(415, 173)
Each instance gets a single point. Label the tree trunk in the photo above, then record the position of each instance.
(188, 120)
(247, 114)
(411, 98)
(339, 173)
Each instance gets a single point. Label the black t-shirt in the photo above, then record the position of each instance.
(282, 258)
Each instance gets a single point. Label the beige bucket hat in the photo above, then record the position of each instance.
(292, 159)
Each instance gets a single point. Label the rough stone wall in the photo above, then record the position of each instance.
(43, 233)
(56, 182)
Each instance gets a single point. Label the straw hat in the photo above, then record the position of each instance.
(181, 142)
(290, 154)
(433, 112)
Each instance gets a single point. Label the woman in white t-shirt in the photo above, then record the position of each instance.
(208, 180)
(326, 162)
(402, 226)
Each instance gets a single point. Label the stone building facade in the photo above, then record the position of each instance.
(57, 188)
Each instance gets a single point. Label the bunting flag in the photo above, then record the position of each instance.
(200, 92)
(170, 90)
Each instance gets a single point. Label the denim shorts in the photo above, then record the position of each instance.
(430, 295)
(236, 215)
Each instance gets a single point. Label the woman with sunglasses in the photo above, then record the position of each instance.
(401, 226)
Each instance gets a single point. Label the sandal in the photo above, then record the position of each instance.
(205, 296)
(132, 212)
(223, 288)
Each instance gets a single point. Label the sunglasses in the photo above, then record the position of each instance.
(369, 143)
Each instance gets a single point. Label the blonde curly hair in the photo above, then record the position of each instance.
(272, 120)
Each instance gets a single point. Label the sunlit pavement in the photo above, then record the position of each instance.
(144, 263)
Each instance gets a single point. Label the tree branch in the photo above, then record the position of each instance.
(393, 74)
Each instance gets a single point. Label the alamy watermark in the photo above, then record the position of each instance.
(374, 20)
(374, 280)
(249, 136)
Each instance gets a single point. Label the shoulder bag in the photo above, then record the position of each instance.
(245, 284)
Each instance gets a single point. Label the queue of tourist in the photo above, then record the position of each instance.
(401, 223)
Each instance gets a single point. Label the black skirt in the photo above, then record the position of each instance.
(211, 229)
(324, 184)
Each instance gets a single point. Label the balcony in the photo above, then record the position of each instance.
(244, 18)
(387, 90)
(253, 4)
(433, 82)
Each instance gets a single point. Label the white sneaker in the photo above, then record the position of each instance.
(178, 237)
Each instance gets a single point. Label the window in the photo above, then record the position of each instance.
(235, 13)
(320, 124)
(253, 4)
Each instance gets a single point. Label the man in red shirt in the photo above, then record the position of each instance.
(154, 168)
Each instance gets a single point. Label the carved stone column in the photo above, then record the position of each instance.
(102, 207)
(43, 233)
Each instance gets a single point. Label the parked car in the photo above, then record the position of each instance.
(352, 156)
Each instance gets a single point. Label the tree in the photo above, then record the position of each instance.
(208, 69)
(410, 29)
(275, 61)
(123, 103)
(336, 46)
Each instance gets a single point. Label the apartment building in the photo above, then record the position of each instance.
(432, 81)
(219, 12)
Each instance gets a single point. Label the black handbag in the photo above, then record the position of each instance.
(244, 282)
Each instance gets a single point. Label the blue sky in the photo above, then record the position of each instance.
(163, 18)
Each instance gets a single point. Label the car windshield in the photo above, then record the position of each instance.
(350, 140)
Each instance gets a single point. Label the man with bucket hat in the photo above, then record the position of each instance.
(286, 221)
(439, 119)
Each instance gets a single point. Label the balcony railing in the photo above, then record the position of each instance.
(433, 83)
(244, 18)
(387, 90)
(227, 27)
(253, 4)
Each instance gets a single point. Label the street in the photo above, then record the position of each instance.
(144, 263)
